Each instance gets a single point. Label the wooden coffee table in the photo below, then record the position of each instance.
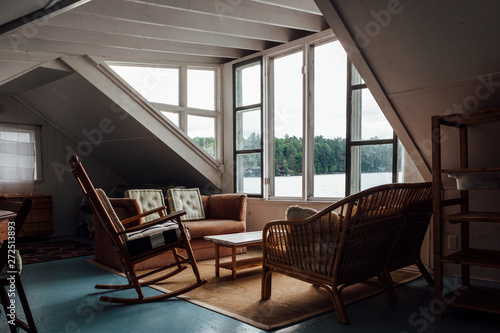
(235, 241)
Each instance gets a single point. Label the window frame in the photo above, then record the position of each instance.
(36, 130)
(350, 187)
(270, 155)
(308, 124)
(249, 107)
(182, 109)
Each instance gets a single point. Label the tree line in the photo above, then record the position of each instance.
(329, 155)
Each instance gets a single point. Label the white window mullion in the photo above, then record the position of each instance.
(307, 123)
(270, 127)
(183, 98)
(266, 125)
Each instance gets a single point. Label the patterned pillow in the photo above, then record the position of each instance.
(188, 199)
(147, 199)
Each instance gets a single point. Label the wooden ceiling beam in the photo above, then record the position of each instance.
(165, 17)
(87, 22)
(246, 11)
(131, 55)
(135, 43)
(300, 5)
(41, 15)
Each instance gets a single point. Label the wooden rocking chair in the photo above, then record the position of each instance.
(11, 272)
(141, 242)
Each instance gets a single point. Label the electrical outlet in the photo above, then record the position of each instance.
(452, 243)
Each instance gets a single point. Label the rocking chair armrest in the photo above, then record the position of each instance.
(141, 215)
(162, 219)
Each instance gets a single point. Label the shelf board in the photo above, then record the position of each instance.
(242, 263)
(475, 298)
(467, 118)
(475, 257)
(473, 217)
(469, 170)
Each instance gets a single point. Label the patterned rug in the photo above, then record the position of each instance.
(55, 250)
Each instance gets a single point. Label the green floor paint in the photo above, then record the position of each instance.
(63, 299)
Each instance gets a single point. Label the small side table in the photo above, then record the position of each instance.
(235, 241)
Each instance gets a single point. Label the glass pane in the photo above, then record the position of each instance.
(202, 131)
(174, 117)
(248, 129)
(329, 120)
(288, 125)
(248, 173)
(372, 166)
(248, 82)
(155, 84)
(201, 89)
(368, 121)
(355, 77)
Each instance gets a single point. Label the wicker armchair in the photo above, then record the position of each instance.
(348, 242)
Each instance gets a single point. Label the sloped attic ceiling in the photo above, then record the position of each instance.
(100, 127)
(157, 32)
(421, 58)
(165, 31)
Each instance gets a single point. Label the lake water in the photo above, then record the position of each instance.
(332, 185)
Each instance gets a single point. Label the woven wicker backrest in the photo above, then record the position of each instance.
(348, 240)
(372, 229)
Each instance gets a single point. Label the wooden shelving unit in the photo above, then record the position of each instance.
(466, 296)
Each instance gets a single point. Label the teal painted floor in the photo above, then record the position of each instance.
(63, 299)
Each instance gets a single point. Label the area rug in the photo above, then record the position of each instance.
(291, 300)
(54, 250)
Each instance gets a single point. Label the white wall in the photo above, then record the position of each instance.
(57, 181)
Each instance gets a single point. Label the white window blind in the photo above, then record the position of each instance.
(17, 159)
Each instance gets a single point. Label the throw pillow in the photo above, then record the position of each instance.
(148, 199)
(188, 199)
(299, 213)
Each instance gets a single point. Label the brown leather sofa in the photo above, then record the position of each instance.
(224, 214)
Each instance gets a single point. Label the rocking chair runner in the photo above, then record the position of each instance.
(138, 243)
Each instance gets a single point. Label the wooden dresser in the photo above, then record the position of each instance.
(39, 221)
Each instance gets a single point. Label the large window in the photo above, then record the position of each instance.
(187, 96)
(329, 111)
(287, 102)
(373, 146)
(248, 127)
(325, 134)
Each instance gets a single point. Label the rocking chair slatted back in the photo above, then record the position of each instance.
(164, 234)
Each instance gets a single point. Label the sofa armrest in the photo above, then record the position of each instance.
(231, 206)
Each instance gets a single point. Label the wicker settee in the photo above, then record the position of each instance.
(365, 235)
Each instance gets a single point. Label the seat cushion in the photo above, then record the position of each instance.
(142, 241)
(188, 199)
(200, 229)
